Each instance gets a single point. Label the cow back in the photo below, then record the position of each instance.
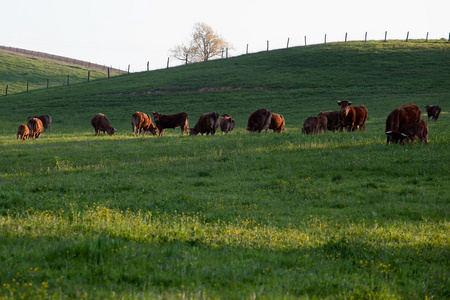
(277, 122)
(259, 120)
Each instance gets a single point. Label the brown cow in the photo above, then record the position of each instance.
(277, 123)
(310, 125)
(163, 121)
(45, 119)
(416, 130)
(405, 114)
(259, 120)
(410, 132)
(322, 123)
(207, 123)
(433, 111)
(23, 132)
(101, 123)
(333, 119)
(227, 123)
(35, 126)
(352, 117)
(141, 121)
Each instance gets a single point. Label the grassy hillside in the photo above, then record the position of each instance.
(18, 69)
(237, 216)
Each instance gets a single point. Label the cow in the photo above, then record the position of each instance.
(410, 131)
(45, 119)
(23, 132)
(259, 120)
(333, 119)
(35, 126)
(207, 123)
(141, 121)
(277, 123)
(227, 123)
(322, 123)
(163, 121)
(310, 125)
(352, 117)
(433, 112)
(100, 122)
(405, 114)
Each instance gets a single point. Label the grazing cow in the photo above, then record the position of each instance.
(333, 119)
(352, 117)
(404, 115)
(35, 126)
(207, 123)
(141, 121)
(23, 132)
(227, 123)
(45, 119)
(259, 120)
(101, 123)
(410, 131)
(163, 121)
(433, 112)
(310, 125)
(277, 123)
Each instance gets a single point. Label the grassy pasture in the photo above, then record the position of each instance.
(239, 216)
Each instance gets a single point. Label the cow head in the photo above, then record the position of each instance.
(156, 116)
(396, 136)
(111, 131)
(345, 107)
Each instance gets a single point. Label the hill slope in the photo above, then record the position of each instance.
(295, 82)
(18, 69)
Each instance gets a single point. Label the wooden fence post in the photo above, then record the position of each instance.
(346, 37)
(427, 37)
(267, 45)
(148, 66)
(407, 36)
(47, 83)
(27, 86)
(108, 72)
(365, 39)
(227, 54)
(287, 46)
(247, 44)
(67, 80)
(128, 69)
(186, 59)
(6, 93)
(325, 39)
(305, 40)
(385, 36)
(168, 62)
(89, 75)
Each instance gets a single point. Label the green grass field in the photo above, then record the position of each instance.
(237, 216)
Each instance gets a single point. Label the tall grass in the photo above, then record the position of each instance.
(243, 215)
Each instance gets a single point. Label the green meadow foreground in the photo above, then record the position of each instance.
(237, 216)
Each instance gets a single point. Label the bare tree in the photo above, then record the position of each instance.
(204, 45)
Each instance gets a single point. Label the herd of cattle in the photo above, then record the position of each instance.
(402, 124)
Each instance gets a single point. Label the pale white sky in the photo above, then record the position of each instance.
(119, 33)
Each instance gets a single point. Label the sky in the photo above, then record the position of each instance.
(122, 33)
